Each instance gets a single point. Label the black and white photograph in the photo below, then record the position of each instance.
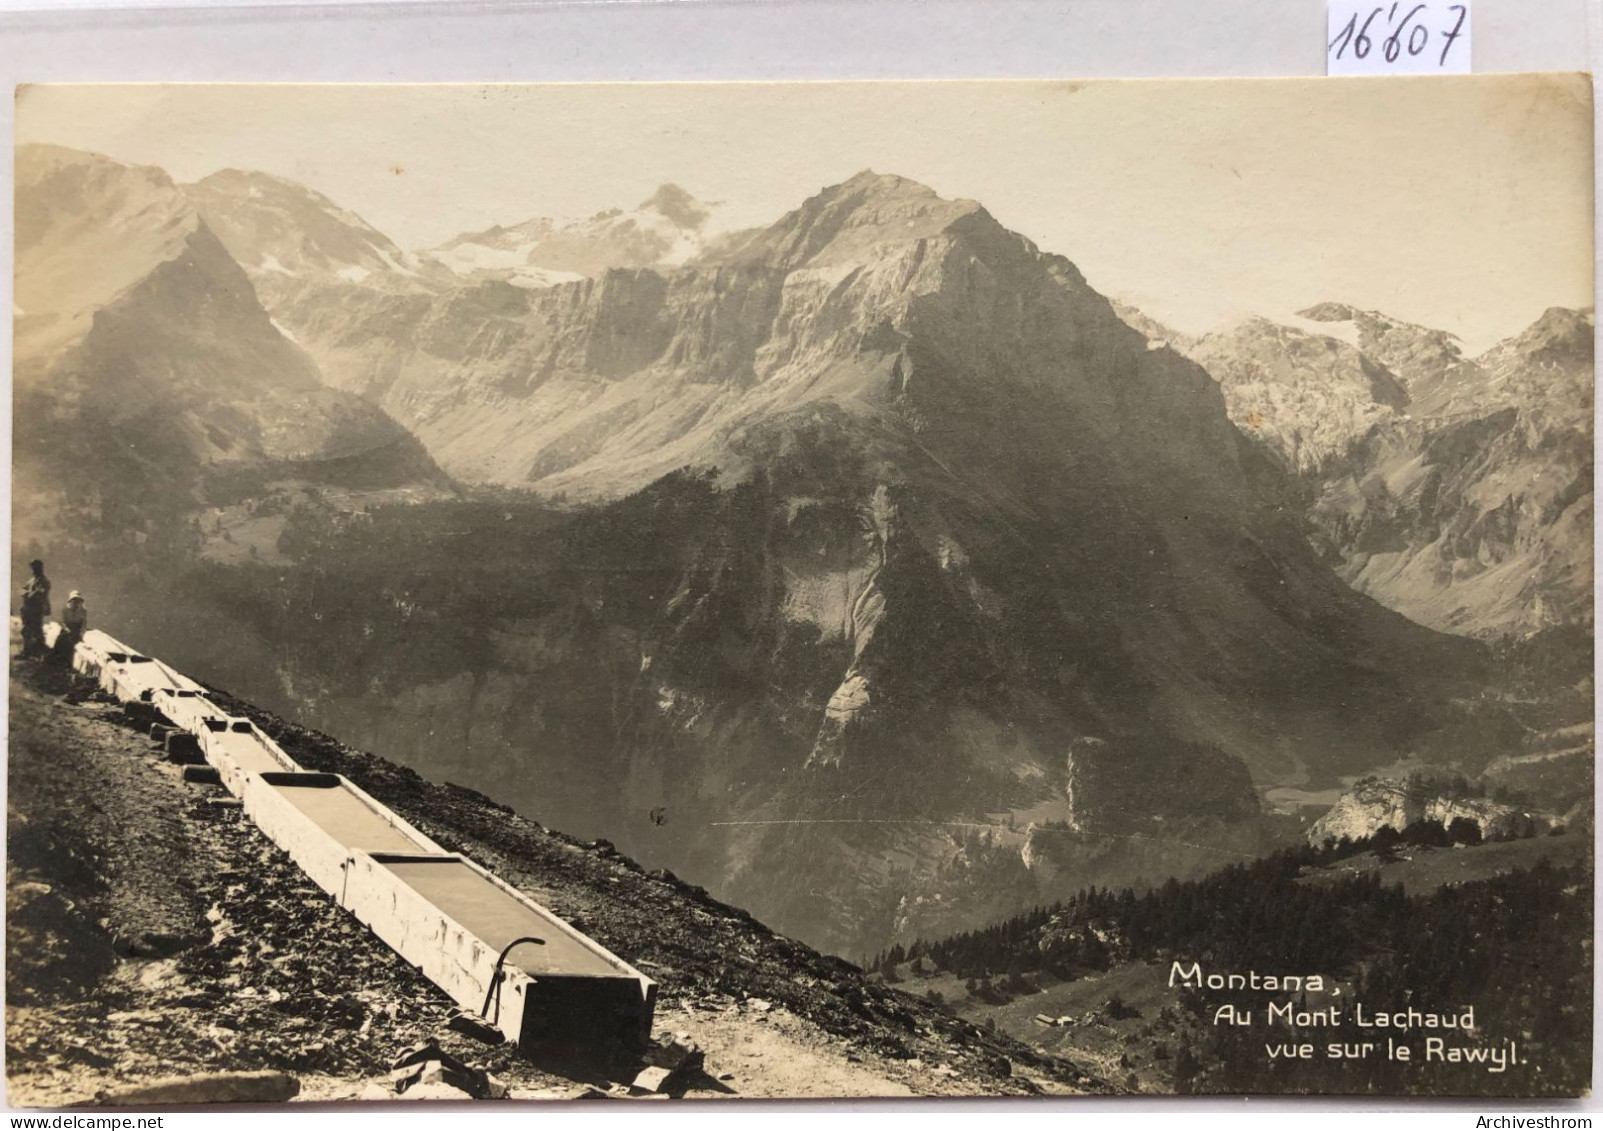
(729, 591)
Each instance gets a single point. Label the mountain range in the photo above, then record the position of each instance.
(869, 552)
(1455, 490)
(146, 366)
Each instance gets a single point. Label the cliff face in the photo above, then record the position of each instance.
(1308, 398)
(1373, 804)
(598, 386)
(1455, 490)
(1474, 513)
(617, 349)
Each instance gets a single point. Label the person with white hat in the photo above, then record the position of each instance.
(74, 618)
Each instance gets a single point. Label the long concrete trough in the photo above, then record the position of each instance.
(94, 651)
(322, 821)
(494, 950)
(125, 674)
(240, 751)
(188, 709)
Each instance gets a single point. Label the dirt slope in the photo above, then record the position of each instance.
(153, 932)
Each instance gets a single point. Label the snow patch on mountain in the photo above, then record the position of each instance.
(664, 231)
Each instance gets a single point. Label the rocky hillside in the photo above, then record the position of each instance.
(1306, 397)
(1473, 512)
(1455, 490)
(147, 371)
(132, 315)
(1375, 803)
(1429, 361)
(152, 932)
(885, 511)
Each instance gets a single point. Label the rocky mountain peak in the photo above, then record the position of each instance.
(678, 206)
(88, 228)
(1330, 312)
(869, 183)
(278, 229)
(1429, 363)
(138, 331)
(662, 231)
(1561, 336)
(1545, 370)
(851, 221)
(38, 161)
(1308, 397)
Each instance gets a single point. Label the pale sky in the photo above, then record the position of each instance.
(1461, 203)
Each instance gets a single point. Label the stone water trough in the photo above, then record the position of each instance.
(494, 950)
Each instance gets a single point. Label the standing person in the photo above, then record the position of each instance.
(35, 607)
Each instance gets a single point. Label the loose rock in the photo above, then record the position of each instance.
(207, 1088)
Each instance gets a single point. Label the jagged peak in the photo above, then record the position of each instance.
(678, 206)
(1254, 330)
(1564, 320)
(871, 189)
(841, 222)
(1263, 325)
(1378, 319)
(1331, 312)
(869, 181)
(1561, 331)
(250, 209)
(254, 182)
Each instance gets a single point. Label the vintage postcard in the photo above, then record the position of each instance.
(801, 590)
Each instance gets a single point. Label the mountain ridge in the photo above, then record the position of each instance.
(662, 231)
(1462, 500)
(841, 542)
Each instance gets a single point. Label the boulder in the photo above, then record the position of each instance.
(140, 714)
(426, 1066)
(472, 1025)
(184, 748)
(652, 1080)
(677, 1053)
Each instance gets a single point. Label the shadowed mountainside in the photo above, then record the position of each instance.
(889, 518)
(1455, 490)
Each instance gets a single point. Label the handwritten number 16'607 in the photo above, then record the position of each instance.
(1413, 38)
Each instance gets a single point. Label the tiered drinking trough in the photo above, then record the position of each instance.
(493, 949)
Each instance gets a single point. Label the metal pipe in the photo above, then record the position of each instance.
(494, 989)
